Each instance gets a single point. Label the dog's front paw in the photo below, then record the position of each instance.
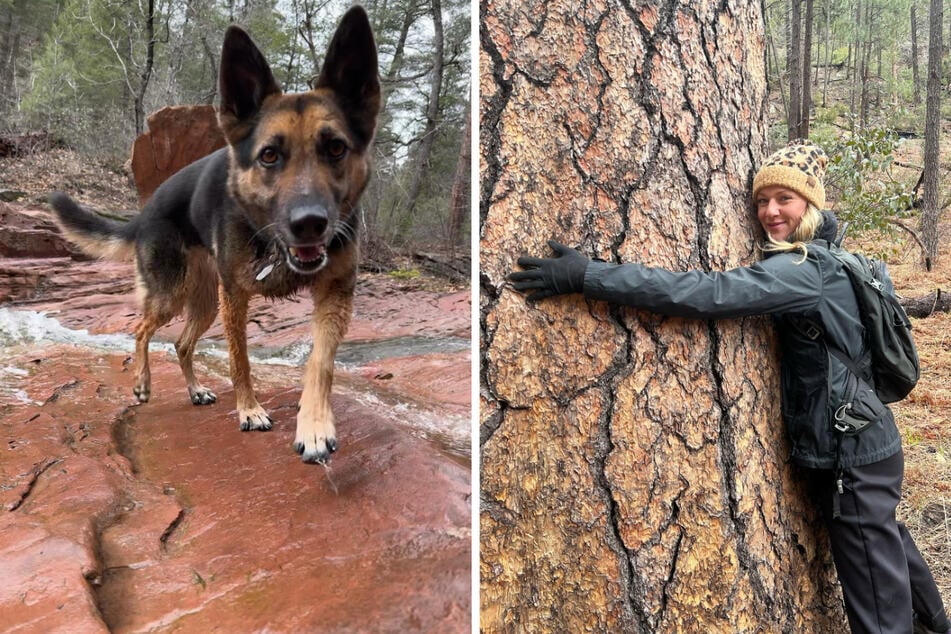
(201, 395)
(255, 419)
(141, 393)
(315, 442)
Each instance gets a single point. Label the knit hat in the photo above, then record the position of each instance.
(800, 166)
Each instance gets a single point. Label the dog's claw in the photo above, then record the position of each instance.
(318, 453)
(203, 396)
(141, 394)
(316, 457)
(256, 420)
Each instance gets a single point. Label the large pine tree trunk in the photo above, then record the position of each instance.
(634, 468)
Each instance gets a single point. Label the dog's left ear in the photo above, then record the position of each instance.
(351, 71)
(244, 82)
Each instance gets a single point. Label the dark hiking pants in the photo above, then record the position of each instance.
(884, 578)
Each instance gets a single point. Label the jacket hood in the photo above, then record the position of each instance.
(829, 230)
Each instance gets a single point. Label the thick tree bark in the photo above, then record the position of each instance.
(635, 471)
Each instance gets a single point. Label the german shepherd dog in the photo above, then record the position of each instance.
(271, 214)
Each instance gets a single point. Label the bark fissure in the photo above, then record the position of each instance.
(672, 569)
(492, 109)
(634, 605)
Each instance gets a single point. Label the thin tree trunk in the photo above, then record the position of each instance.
(916, 82)
(9, 53)
(399, 50)
(806, 74)
(635, 475)
(425, 150)
(931, 210)
(856, 64)
(458, 198)
(146, 75)
(828, 43)
(794, 66)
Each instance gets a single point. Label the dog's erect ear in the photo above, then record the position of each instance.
(244, 81)
(351, 71)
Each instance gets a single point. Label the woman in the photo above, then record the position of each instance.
(856, 477)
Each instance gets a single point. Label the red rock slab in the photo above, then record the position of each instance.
(206, 528)
(177, 136)
(99, 297)
(59, 479)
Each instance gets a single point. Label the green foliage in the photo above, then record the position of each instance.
(405, 274)
(859, 177)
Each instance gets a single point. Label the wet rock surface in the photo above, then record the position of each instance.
(164, 517)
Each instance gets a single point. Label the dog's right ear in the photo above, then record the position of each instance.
(244, 82)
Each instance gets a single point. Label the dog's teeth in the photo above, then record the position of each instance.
(293, 251)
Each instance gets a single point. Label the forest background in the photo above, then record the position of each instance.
(86, 73)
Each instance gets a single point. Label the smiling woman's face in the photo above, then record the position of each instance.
(779, 210)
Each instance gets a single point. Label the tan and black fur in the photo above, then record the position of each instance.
(271, 214)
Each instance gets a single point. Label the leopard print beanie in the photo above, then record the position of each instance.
(800, 166)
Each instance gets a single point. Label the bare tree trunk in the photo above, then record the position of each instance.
(931, 211)
(828, 63)
(914, 53)
(794, 65)
(9, 54)
(856, 60)
(458, 198)
(806, 74)
(146, 74)
(635, 472)
(425, 149)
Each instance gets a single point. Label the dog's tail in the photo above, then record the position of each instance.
(95, 235)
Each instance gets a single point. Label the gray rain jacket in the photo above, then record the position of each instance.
(815, 383)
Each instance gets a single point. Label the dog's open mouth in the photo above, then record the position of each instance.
(307, 258)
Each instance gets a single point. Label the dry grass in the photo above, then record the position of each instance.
(90, 182)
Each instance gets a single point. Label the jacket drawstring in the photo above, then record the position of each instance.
(838, 471)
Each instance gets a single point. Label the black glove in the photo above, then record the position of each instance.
(551, 276)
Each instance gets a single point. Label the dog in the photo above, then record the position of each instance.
(272, 213)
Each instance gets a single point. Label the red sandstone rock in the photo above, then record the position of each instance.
(28, 232)
(205, 528)
(177, 136)
(164, 517)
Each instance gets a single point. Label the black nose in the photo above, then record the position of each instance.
(308, 223)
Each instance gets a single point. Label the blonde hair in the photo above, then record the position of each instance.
(809, 224)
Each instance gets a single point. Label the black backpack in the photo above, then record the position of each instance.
(895, 368)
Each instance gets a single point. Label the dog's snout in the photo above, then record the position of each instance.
(308, 224)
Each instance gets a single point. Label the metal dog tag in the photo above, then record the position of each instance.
(264, 272)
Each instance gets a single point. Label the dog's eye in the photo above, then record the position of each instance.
(335, 149)
(269, 157)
